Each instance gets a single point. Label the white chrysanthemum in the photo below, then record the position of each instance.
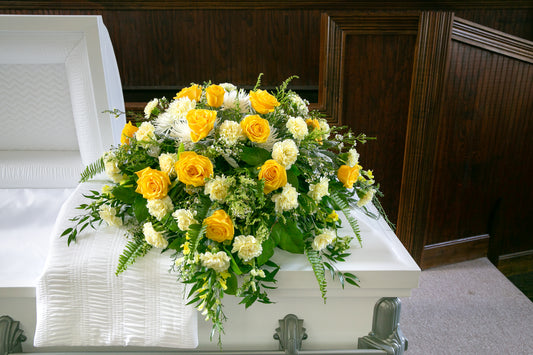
(319, 190)
(153, 237)
(231, 132)
(150, 107)
(353, 157)
(160, 207)
(228, 87)
(108, 214)
(247, 247)
(176, 112)
(167, 162)
(285, 153)
(286, 200)
(300, 104)
(218, 262)
(217, 188)
(297, 127)
(182, 132)
(184, 218)
(145, 133)
(366, 198)
(323, 239)
(236, 98)
(111, 167)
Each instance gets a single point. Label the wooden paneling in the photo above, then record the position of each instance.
(454, 251)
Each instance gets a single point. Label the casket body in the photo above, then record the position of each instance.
(59, 75)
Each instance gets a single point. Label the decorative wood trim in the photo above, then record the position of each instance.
(335, 27)
(428, 77)
(455, 251)
(492, 40)
(516, 263)
(274, 4)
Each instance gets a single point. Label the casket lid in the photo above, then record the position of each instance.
(59, 76)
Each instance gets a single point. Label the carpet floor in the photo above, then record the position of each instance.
(467, 308)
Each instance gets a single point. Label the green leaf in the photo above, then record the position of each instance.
(125, 194)
(268, 250)
(135, 248)
(139, 209)
(232, 284)
(92, 169)
(292, 178)
(318, 268)
(342, 203)
(254, 156)
(289, 237)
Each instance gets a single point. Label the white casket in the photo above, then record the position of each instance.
(40, 166)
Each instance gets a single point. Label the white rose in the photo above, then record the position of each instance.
(145, 133)
(166, 163)
(231, 132)
(319, 190)
(108, 214)
(184, 218)
(150, 107)
(285, 153)
(247, 247)
(111, 167)
(218, 262)
(323, 240)
(366, 198)
(297, 127)
(286, 200)
(217, 188)
(353, 157)
(159, 208)
(153, 237)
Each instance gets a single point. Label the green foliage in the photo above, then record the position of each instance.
(344, 206)
(317, 264)
(135, 248)
(92, 170)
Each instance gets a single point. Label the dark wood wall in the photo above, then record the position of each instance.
(449, 101)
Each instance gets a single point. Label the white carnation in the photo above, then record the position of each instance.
(286, 200)
(297, 127)
(234, 99)
(180, 107)
(366, 198)
(145, 133)
(150, 107)
(167, 162)
(319, 190)
(159, 208)
(108, 214)
(217, 188)
(231, 132)
(247, 247)
(285, 153)
(323, 240)
(111, 167)
(218, 262)
(184, 218)
(154, 237)
(324, 127)
(353, 157)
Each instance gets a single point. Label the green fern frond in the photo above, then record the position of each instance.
(135, 248)
(318, 268)
(258, 82)
(283, 87)
(345, 208)
(92, 169)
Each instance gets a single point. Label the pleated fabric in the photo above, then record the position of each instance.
(81, 302)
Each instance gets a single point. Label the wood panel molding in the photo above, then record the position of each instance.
(335, 27)
(454, 251)
(489, 39)
(422, 127)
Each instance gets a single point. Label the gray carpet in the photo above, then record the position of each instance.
(467, 308)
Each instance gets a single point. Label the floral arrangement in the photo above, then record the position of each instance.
(223, 177)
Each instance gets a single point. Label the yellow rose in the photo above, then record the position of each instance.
(201, 122)
(192, 92)
(127, 132)
(255, 128)
(263, 102)
(215, 95)
(193, 169)
(274, 174)
(219, 226)
(313, 123)
(348, 175)
(152, 184)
